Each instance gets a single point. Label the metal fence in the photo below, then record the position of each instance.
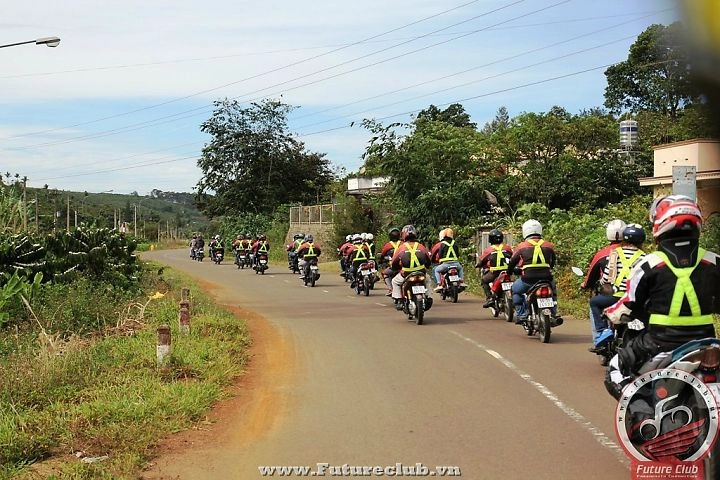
(306, 214)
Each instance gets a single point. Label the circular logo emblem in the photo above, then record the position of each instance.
(667, 416)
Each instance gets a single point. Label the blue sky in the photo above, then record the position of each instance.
(118, 104)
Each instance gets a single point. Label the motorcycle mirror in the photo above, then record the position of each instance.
(577, 271)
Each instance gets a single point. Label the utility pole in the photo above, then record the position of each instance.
(25, 204)
(68, 214)
(37, 207)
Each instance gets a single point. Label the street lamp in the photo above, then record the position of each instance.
(49, 41)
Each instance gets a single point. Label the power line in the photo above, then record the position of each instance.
(527, 52)
(504, 90)
(253, 76)
(198, 109)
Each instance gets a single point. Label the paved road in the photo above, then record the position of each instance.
(347, 380)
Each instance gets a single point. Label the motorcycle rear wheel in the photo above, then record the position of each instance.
(544, 328)
(454, 293)
(312, 281)
(366, 287)
(419, 309)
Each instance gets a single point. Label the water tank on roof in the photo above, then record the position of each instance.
(628, 134)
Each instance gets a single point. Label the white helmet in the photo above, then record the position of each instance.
(348, 238)
(363, 236)
(614, 230)
(357, 238)
(531, 227)
(369, 237)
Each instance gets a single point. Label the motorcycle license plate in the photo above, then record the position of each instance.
(418, 289)
(367, 272)
(314, 268)
(454, 278)
(507, 286)
(545, 302)
(263, 262)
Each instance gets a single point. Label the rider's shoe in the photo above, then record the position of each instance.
(488, 303)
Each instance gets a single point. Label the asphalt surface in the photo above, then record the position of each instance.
(346, 380)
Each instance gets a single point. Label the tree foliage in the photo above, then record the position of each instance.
(656, 75)
(253, 163)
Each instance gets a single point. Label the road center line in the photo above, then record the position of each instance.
(599, 436)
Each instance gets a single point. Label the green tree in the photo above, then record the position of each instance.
(454, 114)
(656, 75)
(253, 163)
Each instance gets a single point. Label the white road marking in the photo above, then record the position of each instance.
(326, 291)
(381, 304)
(599, 436)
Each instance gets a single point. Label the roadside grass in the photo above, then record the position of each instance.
(103, 395)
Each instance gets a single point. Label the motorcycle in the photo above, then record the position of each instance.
(415, 301)
(366, 277)
(312, 272)
(541, 317)
(199, 254)
(501, 290)
(242, 259)
(450, 283)
(293, 262)
(667, 413)
(218, 255)
(262, 263)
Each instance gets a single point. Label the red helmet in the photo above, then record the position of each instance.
(675, 213)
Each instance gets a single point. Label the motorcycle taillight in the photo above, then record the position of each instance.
(708, 377)
(453, 271)
(544, 292)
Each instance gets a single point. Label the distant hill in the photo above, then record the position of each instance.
(163, 214)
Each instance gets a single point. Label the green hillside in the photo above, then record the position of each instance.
(155, 216)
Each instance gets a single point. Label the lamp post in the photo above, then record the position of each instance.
(48, 41)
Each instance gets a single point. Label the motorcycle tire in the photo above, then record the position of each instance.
(509, 309)
(419, 309)
(366, 287)
(454, 293)
(544, 328)
(495, 310)
(312, 281)
(443, 293)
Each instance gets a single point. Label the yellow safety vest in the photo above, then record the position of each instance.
(415, 264)
(263, 248)
(500, 263)
(450, 255)
(370, 248)
(360, 254)
(538, 259)
(311, 251)
(683, 289)
(627, 264)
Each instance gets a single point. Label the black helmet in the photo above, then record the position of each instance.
(495, 237)
(634, 234)
(309, 238)
(409, 232)
(394, 234)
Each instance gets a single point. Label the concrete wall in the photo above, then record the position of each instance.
(703, 154)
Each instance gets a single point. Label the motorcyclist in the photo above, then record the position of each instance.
(676, 289)
(292, 249)
(354, 256)
(306, 252)
(536, 258)
(369, 242)
(342, 253)
(193, 245)
(261, 246)
(616, 271)
(199, 243)
(493, 260)
(386, 254)
(445, 254)
(215, 245)
(613, 233)
(410, 256)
